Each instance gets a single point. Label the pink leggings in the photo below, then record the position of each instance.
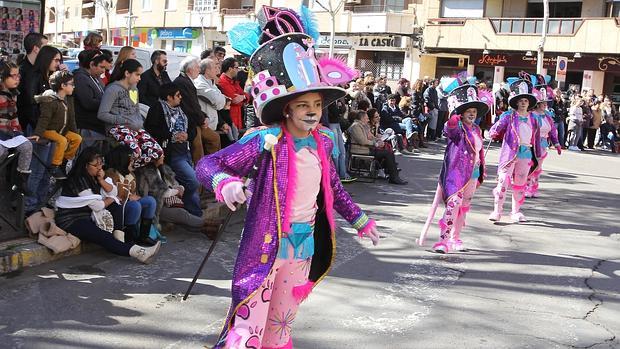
(456, 211)
(532, 179)
(516, 173)
(265, 321)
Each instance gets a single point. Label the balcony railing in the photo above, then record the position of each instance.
(374, 8)
(236, 11)
(534, 26)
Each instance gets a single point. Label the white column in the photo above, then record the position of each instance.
(498, 77)
(411, 67)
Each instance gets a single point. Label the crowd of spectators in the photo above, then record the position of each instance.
(129, 137)
(120, 142)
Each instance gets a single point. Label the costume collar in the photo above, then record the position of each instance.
(301, 143)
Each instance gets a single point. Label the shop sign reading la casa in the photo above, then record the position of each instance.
(365, 41)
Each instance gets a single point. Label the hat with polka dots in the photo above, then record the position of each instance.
(285, 66)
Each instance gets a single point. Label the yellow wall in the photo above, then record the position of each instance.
(428, 65)
(493, 8)
(514, 8)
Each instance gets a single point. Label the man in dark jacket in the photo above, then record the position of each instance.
(87, 96)
(190, 70)
(153, 78)
(431, 100)
(169, 125)
(26, 108)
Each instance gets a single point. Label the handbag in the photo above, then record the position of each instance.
(104, 220)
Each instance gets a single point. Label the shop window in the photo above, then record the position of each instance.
(556, 9)
(390, 64)
(52, 14)
(122, 6)
(88, 8)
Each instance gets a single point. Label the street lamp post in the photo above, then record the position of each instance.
(332, 14)
(541, 45)
(130, 18)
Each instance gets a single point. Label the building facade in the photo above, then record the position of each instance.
(495, 39)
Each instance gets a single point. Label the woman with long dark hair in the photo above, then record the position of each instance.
(116, 106)
(85, 192)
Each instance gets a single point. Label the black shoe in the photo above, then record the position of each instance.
(58, 173)
(145, 230)
(21, 185)
(398, 181)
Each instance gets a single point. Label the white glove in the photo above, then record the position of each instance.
(373, 235)
(232, 193)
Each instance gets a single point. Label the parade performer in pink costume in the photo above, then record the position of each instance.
(288, 241)
(463, 167)
(544, 117)
(520, 134)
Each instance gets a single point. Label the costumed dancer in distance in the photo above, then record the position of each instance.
(288, 241)
(463, 167)
(519, 132)
(544, 117)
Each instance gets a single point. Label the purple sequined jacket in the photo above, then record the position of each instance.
(507, 128)
(269, 208)
(458, 162)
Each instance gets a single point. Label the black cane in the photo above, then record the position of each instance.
(270, 141)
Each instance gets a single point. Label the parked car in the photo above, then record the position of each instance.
(143, 55)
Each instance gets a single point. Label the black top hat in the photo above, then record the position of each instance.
(465, 97)
(521, 88)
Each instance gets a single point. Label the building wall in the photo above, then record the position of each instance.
(493, 8)
(593, 8)
(514, 8)
(428, 65)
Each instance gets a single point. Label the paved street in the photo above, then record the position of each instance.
(553, 282)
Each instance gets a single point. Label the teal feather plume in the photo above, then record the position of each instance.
(309, 21)
(244, 37)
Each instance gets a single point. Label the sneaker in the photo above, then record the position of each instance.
(396, 152)
(573, 148)
(348, 179)
(456, 245)
(495, 216)
(58, 173)
(381, 174)
(398, 181)
(441, 247)
(518, 217)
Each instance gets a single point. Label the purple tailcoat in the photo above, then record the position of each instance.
(259, 241)
(507, 128)
(458, 161)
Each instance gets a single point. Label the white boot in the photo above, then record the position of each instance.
(119, 235)
(144, 254)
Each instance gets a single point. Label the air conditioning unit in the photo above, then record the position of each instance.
(354, 2)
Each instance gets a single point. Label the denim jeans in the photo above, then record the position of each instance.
(39, 179)
(341, 166)
(182, 166)
(143, 208)
(561, 133)
(407, 125)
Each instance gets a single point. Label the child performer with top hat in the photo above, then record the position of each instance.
(519, 132)
(548, 131)
(463, 167)
(288, 240)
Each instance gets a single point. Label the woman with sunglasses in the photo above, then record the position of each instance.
(85, 192)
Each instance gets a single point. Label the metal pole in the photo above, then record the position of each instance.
(332, 34)
(541, 46)
(129, 23)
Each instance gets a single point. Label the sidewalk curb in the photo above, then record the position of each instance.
(30, 254)
(26, 252)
